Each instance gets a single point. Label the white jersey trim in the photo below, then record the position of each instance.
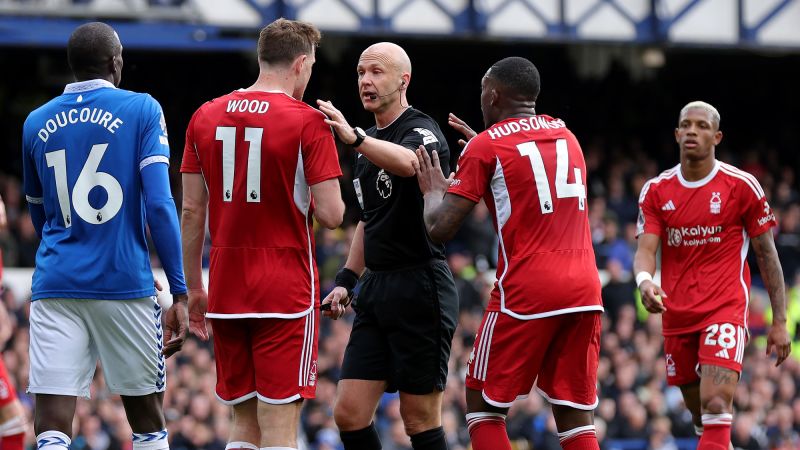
(88, 85)
(742, 263)
(557, 312)
(497, 404)
(748, 179)
(667, 174)
(34, 200)
(482, 358)
(236, 401)
(152, 160)
(278, 401)
(702, 182)
(262, 315)
(555, 401)
(307, 353)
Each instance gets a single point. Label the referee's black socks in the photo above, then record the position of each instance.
(363, 439)
(429, 440)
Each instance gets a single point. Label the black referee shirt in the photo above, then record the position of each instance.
(394, 229)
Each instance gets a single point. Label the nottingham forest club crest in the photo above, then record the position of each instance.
(383, 184)
(715, 205)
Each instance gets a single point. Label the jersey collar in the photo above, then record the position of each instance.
(701, 182)
(88, 85)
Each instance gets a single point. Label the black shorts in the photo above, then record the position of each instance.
(405, 320)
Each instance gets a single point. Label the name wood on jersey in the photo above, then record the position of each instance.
(245, 105)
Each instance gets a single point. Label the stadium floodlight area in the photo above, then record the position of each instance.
(213, 24)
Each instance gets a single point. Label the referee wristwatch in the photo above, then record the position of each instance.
(360, 136)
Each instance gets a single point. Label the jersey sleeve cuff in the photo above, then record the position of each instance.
(34, 200)
(466, 195)
(152, 160)
(326, 177)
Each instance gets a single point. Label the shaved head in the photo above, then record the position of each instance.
(390, 54)
(91, 48)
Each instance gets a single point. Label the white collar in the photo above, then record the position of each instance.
(701, 182)
(88, 85)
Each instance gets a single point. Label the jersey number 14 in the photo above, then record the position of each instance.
(563, 189)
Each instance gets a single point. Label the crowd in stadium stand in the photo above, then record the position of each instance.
(636, 410)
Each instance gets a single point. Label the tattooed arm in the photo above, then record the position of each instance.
(444, 213)
(778, 341)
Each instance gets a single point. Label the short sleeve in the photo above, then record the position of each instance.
(423, 135)
(155, 144)
(320, 159)
(476, 166)
(757, 215)
(191, 161)
(649, 221)
(31, 182)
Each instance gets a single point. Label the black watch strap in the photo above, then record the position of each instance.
(359, 139)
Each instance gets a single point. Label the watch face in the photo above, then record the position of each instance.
(361, 132)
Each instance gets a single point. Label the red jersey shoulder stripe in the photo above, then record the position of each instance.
(665, 175)
(747, 178)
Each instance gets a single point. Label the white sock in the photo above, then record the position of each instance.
(53, 440)
(278, 448)
(156, 440)
(240, 444)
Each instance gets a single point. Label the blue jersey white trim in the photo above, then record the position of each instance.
(82, 156)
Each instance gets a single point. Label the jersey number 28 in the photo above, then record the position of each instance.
(563, 189)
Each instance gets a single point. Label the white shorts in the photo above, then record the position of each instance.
(68, 336)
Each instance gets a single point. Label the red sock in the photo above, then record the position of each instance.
(487, 431)
(13, 442)
(715, 437)
(580, 440)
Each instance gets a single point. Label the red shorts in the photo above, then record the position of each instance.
(274, 359)
(7, 393)
(562, 351)
(717, 344)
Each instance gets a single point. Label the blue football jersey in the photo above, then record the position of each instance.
(83, 151)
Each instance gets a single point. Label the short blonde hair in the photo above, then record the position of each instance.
(698, 104)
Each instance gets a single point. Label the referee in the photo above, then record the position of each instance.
(406, 311)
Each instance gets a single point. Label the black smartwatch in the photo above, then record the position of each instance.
(360, 136)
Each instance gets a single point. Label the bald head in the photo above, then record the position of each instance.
(92, 49)
(390, 54)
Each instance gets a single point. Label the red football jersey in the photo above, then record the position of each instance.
(259, 152)
(531, 173)
(705, 228)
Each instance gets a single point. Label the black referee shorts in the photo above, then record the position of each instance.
(404, 325)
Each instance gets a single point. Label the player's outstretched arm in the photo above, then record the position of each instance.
(193, 234)
(778, 341)
(347, 278)
(644, 266)
(459, 125)
(443, 213)
(328, 204)
(391, 157)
